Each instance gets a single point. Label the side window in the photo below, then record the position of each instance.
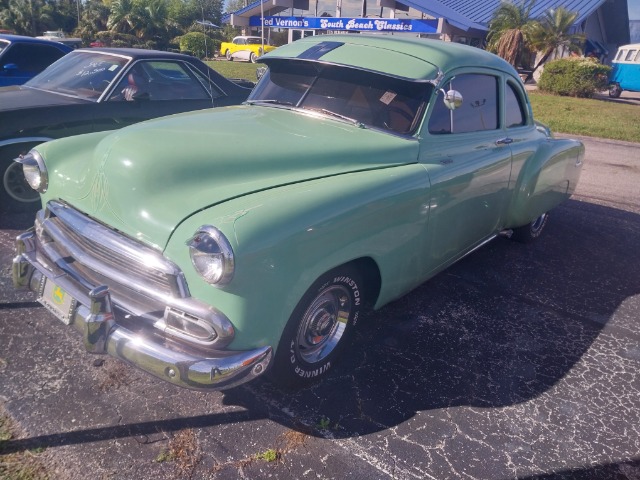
(162, 80)
(515, 116)
(630, 55)
(479, 109)
(31, 58)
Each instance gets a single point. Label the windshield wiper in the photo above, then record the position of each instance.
(330, 113)
(353, 121)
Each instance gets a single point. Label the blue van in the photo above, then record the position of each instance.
(626, 70)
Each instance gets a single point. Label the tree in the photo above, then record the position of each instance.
(122, 18)
(509, 31)
(553, 32)
(95, 16)
(26, 17)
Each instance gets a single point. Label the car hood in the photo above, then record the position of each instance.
(147, 178)
(20, 97)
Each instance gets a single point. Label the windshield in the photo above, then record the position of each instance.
(80, 74)
(364, 97)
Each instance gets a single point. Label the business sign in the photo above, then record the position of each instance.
(349, 24)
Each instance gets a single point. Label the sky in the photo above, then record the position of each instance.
(634, 9)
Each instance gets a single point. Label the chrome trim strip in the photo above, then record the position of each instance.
(18, 141)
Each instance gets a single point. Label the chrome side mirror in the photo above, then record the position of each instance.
(452, 99)
(260, 71)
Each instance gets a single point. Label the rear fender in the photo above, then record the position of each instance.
(546, 179)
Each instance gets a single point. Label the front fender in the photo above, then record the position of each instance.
(546, 179)
(285, 238)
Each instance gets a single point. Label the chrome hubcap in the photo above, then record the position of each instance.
(323, 324)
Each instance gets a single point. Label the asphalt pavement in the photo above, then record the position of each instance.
(521, 361)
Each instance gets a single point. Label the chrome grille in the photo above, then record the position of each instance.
(82, 244)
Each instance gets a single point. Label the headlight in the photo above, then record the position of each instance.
(211, 255)
(34, 170)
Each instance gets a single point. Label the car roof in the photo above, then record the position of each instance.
(407, 57)
(23, 39)
(138, 53)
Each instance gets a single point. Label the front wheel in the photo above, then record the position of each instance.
(15, 193)
(228, 55)
(528, 233)
(319, 328)
(253, 57)
(615, 90)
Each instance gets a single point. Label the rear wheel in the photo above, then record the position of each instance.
(319, 328)
(228, 55)
(615, 90)
(528, 233)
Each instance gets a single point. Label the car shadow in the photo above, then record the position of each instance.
(503, 326)
(499, 328)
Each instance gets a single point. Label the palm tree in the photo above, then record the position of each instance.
(553, 32)
(509, 30)
(122, 18)
(95, 15)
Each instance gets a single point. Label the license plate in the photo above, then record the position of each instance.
(57, 301)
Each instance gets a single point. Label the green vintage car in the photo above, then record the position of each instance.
(211, 247)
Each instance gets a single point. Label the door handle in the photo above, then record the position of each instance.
(504, 141)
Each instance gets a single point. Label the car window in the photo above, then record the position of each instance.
(369, 98)
(630, 55)
(515, 116)
(31, 57)
(162, 80)
(3, 44)
(81, 74)
(479, 109)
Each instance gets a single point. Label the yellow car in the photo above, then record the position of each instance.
(245, 48)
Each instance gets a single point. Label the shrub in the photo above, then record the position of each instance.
(574, 77)
(112, 39)
(198, 44)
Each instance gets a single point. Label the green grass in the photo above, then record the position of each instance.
(589, 117)
(246, 70)
(577, 116)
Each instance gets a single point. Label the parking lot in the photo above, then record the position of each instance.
(521, 361)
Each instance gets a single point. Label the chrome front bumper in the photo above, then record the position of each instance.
(92, 313)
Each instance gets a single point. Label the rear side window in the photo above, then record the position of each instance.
(515, 116)
(479, 109)
(630, 55)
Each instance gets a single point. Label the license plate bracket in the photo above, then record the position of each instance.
(57, 300)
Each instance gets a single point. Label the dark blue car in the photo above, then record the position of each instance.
(22, 58)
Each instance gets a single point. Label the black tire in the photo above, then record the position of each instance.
(615, 90)
(314, 336)
(15, 193)
(530, 232)
(227, 54)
